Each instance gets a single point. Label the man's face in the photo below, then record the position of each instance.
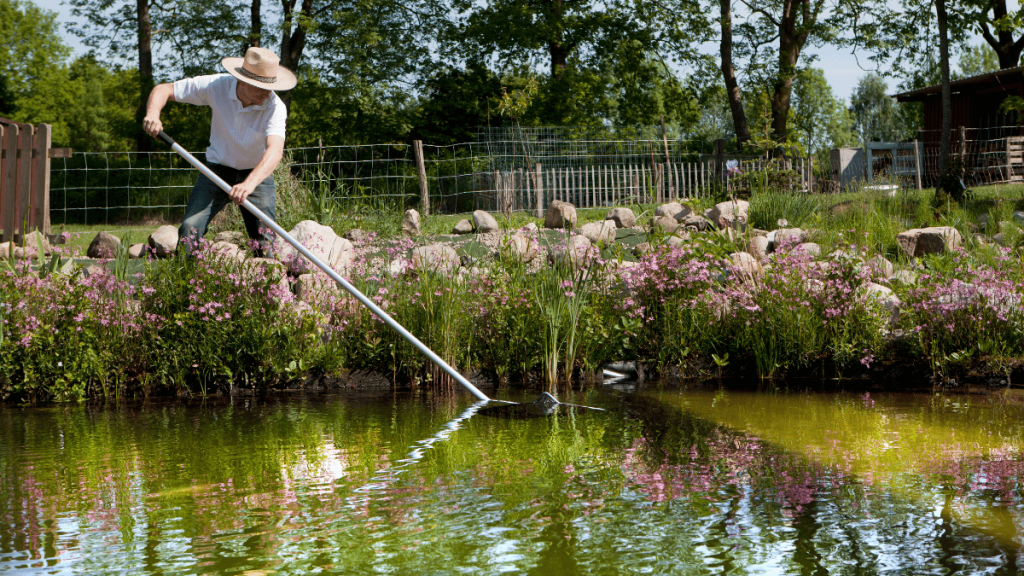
(251, 95)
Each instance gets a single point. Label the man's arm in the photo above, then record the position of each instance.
(158, 98)
(271, 158)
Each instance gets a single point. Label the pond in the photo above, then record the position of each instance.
(664, 482)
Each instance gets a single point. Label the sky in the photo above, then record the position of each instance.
(839, 65)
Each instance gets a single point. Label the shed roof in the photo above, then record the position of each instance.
(977, 82)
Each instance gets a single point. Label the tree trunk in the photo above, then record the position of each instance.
(143, 142)
(782, 91)
(947, 114)
(292, 43)
(255, 38)
(557, 49)
(732, 89)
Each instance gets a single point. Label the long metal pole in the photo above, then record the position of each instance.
(327, 270)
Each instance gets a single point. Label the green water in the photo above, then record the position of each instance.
(706, 482)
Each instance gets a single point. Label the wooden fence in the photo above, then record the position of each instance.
(606, 186)
(25, 155)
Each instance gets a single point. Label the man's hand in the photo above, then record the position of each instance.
(239, 192)
(152, 125)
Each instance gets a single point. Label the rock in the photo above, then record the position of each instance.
(484, 222)
(884, 296)
(933, 240)
(137, 250)
(788, 237)
(356, 236)
(696, 222)
(574, 252)
(677, 240)
(673, 209)
(1000, 239)
(880, 266)
(93, 270)
(758, 247)
(104, 245)
(810, 247)
(436, 257)
(560, 215)
(664, 225)
(729, 214)
(35, 239)
(5, 249)
(164, 241)
(321, 241)
(399, 267)
(642, 249)
(463, 227)
(748, 265)
(225, 249)
(598, 232)
(906, 277)
(233, 237)
(522, 248)
(411, 223)
(316, 289)
(530, 227)
(622, 217)
(1019, 217)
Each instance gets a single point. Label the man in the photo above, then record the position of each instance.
(246, 137)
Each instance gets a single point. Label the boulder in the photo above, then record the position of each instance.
(809, 247)
(622, 217)
(137, 250)
(788, 237)
(746, 264)
(1019, 217)
(696, 222)
(484, 222)
(560, 215)
(664, 225)
(229, 250)
(598, 232)
(316, 289)
(321, 241)
(104, 245)
(5, 249)
(164, 241)
(907, 277)
(884, 296)
(642, 249)
(530, 227)
(758, 247)
(729, 214)
(934, 240)
(522, 248)
(411, 223)
(463, 227)
(233, 237)
(436, 257)
(880, 266)
(356, 236)
(673, 209)
(573, 252)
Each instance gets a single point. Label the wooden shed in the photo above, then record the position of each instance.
(975, 103)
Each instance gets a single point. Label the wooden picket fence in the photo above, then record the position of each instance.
(25, 155)
(605, 186)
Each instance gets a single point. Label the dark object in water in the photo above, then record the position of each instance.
(543, 406)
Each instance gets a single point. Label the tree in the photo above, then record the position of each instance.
(456, 103)
(32, 55)
(820, 120)
(976, 60)
(732, 89)
(994, 14)
(876, 117)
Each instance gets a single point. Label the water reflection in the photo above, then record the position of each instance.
(664, 483)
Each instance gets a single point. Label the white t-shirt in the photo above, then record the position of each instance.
(238, 135)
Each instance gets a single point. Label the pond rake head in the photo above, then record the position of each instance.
(341, 281)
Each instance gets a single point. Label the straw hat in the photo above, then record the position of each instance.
(261, 68)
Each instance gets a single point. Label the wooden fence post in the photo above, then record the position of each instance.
(917, 164)
(25, 219)
(810, 174)
(8, 172)
(719, 161)
(421, 170)
(869, 170)
(1009, 161)
(538, 188)
(963, 143)
(41, 178)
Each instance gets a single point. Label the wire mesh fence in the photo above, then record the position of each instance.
(525, 169)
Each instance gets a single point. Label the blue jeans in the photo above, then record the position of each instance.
(207, 200)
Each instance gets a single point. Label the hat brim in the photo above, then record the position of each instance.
(286, 79)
